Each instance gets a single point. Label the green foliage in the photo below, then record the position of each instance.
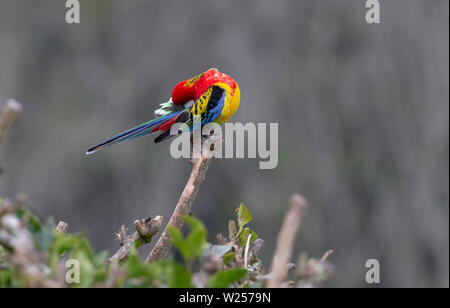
(42, 233)
(224, 278)
(228, 257)
(245, 234)
(175, 275)
(139, 274)
(244, 217)
(165, 273)
(6, 277)
(217, 265)
(76, 245)
(191, 246)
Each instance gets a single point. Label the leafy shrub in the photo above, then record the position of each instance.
(35, 253)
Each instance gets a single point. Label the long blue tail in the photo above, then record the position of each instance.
(133, 133)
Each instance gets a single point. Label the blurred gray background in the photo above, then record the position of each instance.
(363, 113)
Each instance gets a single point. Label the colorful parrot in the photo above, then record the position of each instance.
(210, 97)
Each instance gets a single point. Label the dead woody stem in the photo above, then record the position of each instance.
(285, 241)
(196, 179)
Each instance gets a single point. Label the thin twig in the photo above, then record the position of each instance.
(256, 246)
(196, 179)
(145, 230)
(327, 255)
(288, 268)
(285, 241)
(247, 246)
(7, 116)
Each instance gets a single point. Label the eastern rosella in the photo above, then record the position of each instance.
(212, 96)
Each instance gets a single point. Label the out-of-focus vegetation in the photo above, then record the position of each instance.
(362, 109)
(47, 261)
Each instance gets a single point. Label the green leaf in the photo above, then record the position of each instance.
(64, 242)
(228, 257)
(61, 244)
(191, 246)
(224, 278)
(244, 217)
(44, 236)
(87, 270)
(6, 278)
(245, 234)
(100, 258)
(178, 241)
(42, 233)
(177, 276)
(143, 274)
(193, 222)
(86, 246)
(196, 238)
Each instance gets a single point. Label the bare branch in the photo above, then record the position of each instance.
(327, 255)
(145, 230)
(7, 116)
(255, 247)
(196, 179)
(285, 241)
(288, 268)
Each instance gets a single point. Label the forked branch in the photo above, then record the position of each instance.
(145, 230)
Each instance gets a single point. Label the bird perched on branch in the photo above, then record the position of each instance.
(209, 97)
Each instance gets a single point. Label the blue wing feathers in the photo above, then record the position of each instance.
(138, 131)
